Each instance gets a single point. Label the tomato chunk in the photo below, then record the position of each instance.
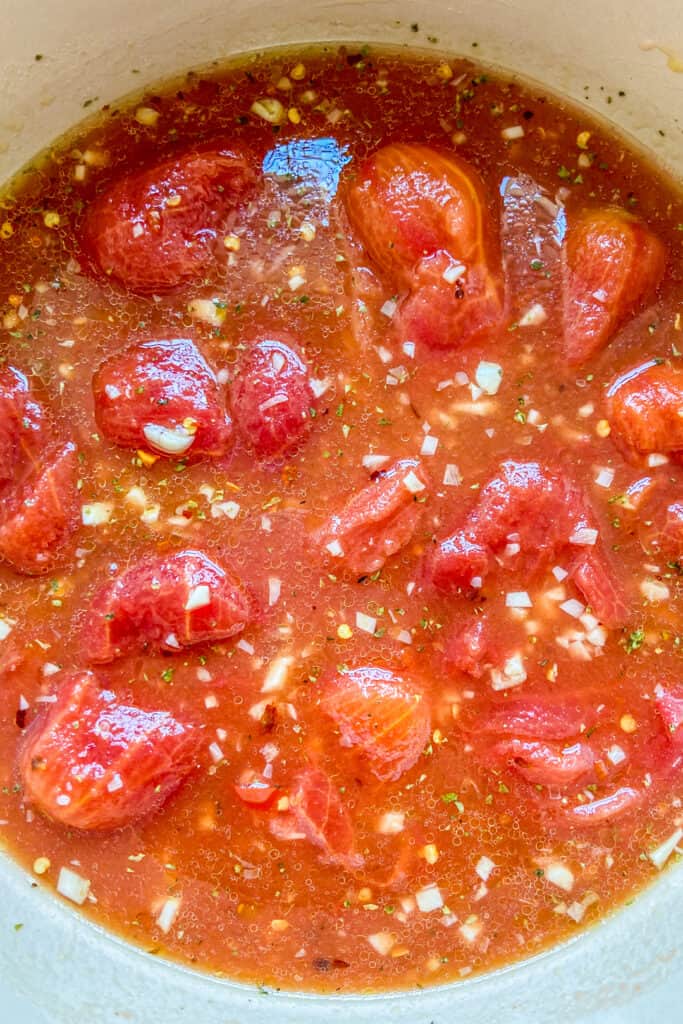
(423, 218)
(271, 398)
(321, 817)
(93, 763)
(612, 265)
(155, 229)
(531, 503)
(162, 395)
(669, 704)
(383, 715)
(23, 431)
(660, 527)
(165, 603)
(606, 808)
(643, 408)
(445, 315)
(378, 521)
(469, 646)
(546, 764)
(596, 579)
(37, 520)
(546, 719)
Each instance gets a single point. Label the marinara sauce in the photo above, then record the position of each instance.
(342, 520)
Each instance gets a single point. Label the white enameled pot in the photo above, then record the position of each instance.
(626, 969)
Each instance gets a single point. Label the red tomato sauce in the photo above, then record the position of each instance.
(341, 533)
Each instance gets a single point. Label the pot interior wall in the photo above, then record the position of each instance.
(97, 51)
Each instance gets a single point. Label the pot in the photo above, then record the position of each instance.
(621, 62)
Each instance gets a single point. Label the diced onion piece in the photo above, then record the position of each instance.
(97, 513)
(296, 281)
(216, 753)
(661, 854)
(429, 899)
(515, 131)
(277, 674)
(413, 482)
(151, 514)
(335, 548)
(534, 316)
(576, 911)
(389, 308)
(656, 459)
(484, 867)
(319, 387)
(382, 942)
(374, 462)
(73, 886)
(367, 623)
(274, 588)
(605, 477)
(269, 109)
(409, 349)
(245, 646)
(199, 597)
(489, 376)
(654, 591)
(5, 628)
(391, 823)
(559, 573)
(209, 311)
(560, 875)
(168, 913)
(453, 273)
(471, 929)
(513, 674)
(573, 607)
(517, 599)
(451, 476)
(147, 116)
(584, 536)
(429, 445)
(615, 754)
(405, 637)
(170, 441)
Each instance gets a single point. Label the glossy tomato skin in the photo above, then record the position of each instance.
(163, 396)
(23, 429)
(384, 716)
(93, 763)
(612, 264)
(165, 603)
(443, 314)
(423, 219)
(470, 646)
(546, 718)
(38, 519)
(643, 408)
(271, 397)
(546, 764)
(155, 229)
(605, 809)
(669, 704)
(378, 521)
(596, 578)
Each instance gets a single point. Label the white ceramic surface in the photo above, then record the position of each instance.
(624, 970)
